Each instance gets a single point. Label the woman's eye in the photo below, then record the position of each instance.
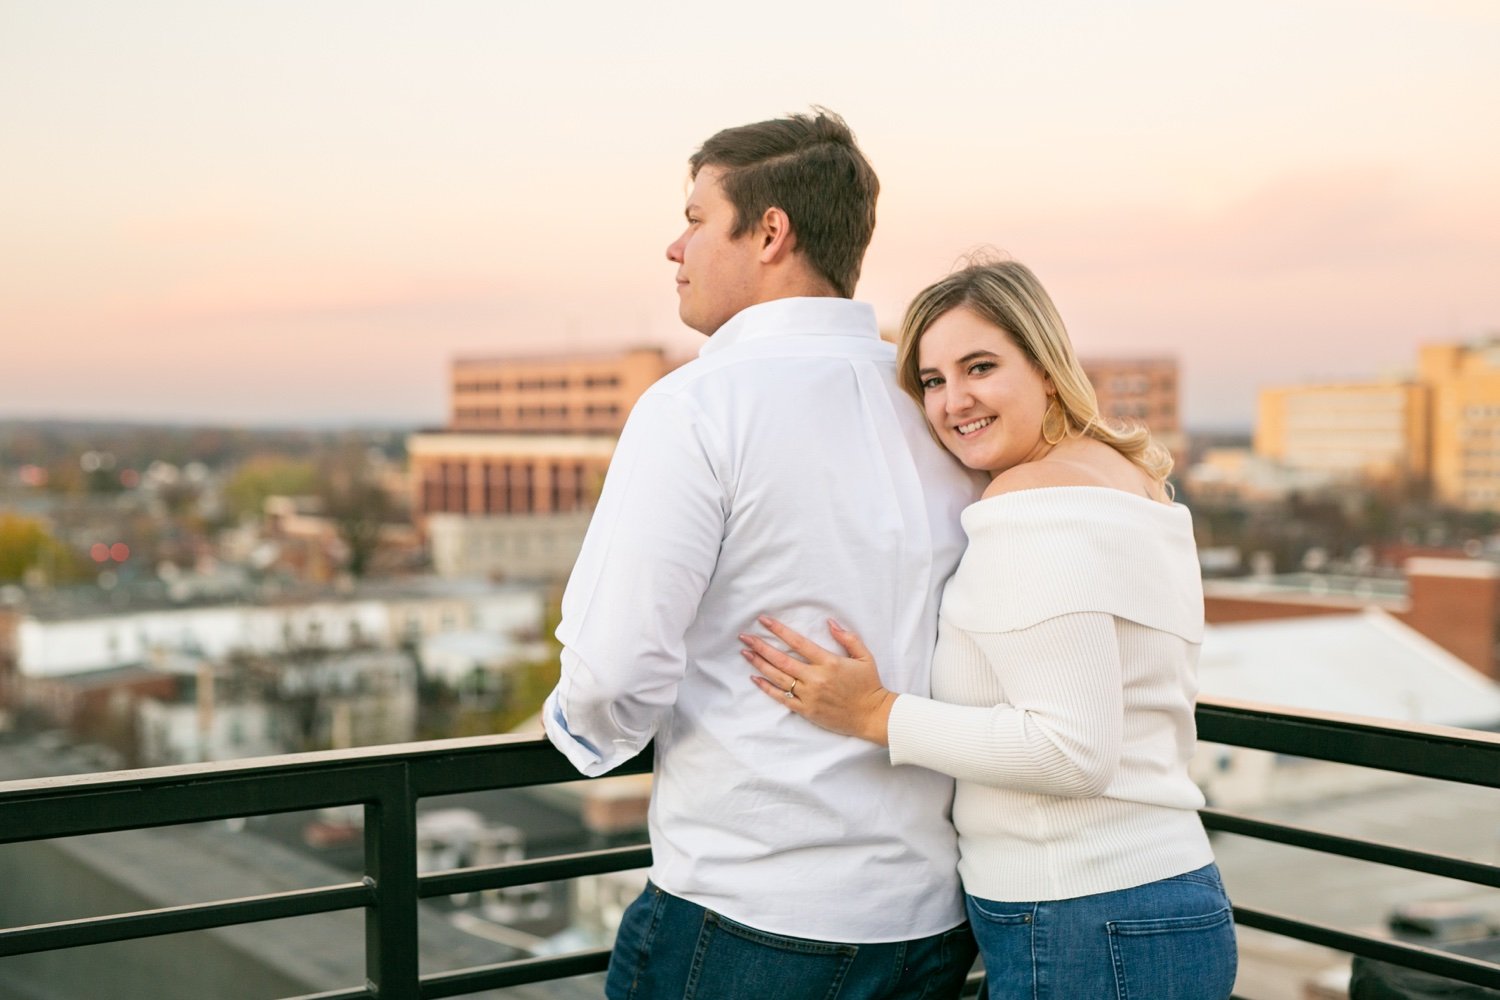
(932, 382)
(980, 367)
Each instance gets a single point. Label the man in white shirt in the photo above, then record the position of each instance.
(781, 472)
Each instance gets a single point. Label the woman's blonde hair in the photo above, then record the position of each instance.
(1008, 295)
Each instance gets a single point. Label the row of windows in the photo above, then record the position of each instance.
(1350, 423)
(506, 488)
(311, 634)
(535, 412)
(1137, 385)
(1361, 402)
(1369, 442)
(536, 384)
(1137, 410)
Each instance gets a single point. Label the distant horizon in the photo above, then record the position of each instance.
(357, 425)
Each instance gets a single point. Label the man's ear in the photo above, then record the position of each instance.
(777, 240)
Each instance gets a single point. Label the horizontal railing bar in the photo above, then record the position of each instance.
(178, 919)
(534, 762)
(503, 975)
(1411, 956)
(1445, 865)
(445, 766)
(477, 879)
(110, 809)
(144, 799)
(357, 994)
(1442, 752)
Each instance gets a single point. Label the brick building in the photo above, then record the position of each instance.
(1142, 390)
(507, 489)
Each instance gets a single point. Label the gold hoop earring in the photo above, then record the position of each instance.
(1054, 438)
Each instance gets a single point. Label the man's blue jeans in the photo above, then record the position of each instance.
(670, 949)
(1166, 940)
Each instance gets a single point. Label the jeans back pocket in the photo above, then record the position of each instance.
(1174, 958)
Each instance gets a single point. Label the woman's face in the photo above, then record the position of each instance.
(982, 395)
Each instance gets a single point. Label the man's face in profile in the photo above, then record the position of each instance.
(716, 272)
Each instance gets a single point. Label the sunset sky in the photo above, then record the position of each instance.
(279, 212)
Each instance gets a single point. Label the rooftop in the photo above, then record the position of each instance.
(1366, 663)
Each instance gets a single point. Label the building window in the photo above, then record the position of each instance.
(455, 478)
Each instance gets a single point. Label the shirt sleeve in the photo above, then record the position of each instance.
(647, 558)
(1061, 728)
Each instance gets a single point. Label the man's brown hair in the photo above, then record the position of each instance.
(809, 167)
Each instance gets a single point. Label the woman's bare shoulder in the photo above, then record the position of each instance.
(1101, 466)
(1038, 475)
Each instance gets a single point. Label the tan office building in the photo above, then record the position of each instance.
(1375, 430)
(1465, 459)
(558, 394)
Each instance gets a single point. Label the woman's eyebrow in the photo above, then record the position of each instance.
(966, 358)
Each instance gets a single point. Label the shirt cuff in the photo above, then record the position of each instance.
(580, 753)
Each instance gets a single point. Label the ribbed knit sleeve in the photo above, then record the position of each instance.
(1059, 731)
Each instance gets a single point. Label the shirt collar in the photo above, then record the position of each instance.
(795, 317)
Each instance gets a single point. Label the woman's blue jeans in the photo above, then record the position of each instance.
(1166, 940)
(670, 949)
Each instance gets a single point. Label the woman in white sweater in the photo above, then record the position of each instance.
(1065, 673)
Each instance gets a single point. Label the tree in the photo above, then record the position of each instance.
(265, 476)
(358, 509)
(25, 544)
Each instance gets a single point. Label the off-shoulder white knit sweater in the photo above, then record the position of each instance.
(1063, 688)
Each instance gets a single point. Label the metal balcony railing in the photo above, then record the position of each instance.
(1459, 755)
(389, 781)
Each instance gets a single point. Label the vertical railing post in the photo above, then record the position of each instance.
(392, 969)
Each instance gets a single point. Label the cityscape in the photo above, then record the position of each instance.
(172, 595)
(319, 325)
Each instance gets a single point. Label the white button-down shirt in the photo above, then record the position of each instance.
(781, 472)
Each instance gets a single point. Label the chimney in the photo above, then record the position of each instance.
(1456, 604)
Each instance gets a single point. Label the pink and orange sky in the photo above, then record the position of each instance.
(282, 213)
